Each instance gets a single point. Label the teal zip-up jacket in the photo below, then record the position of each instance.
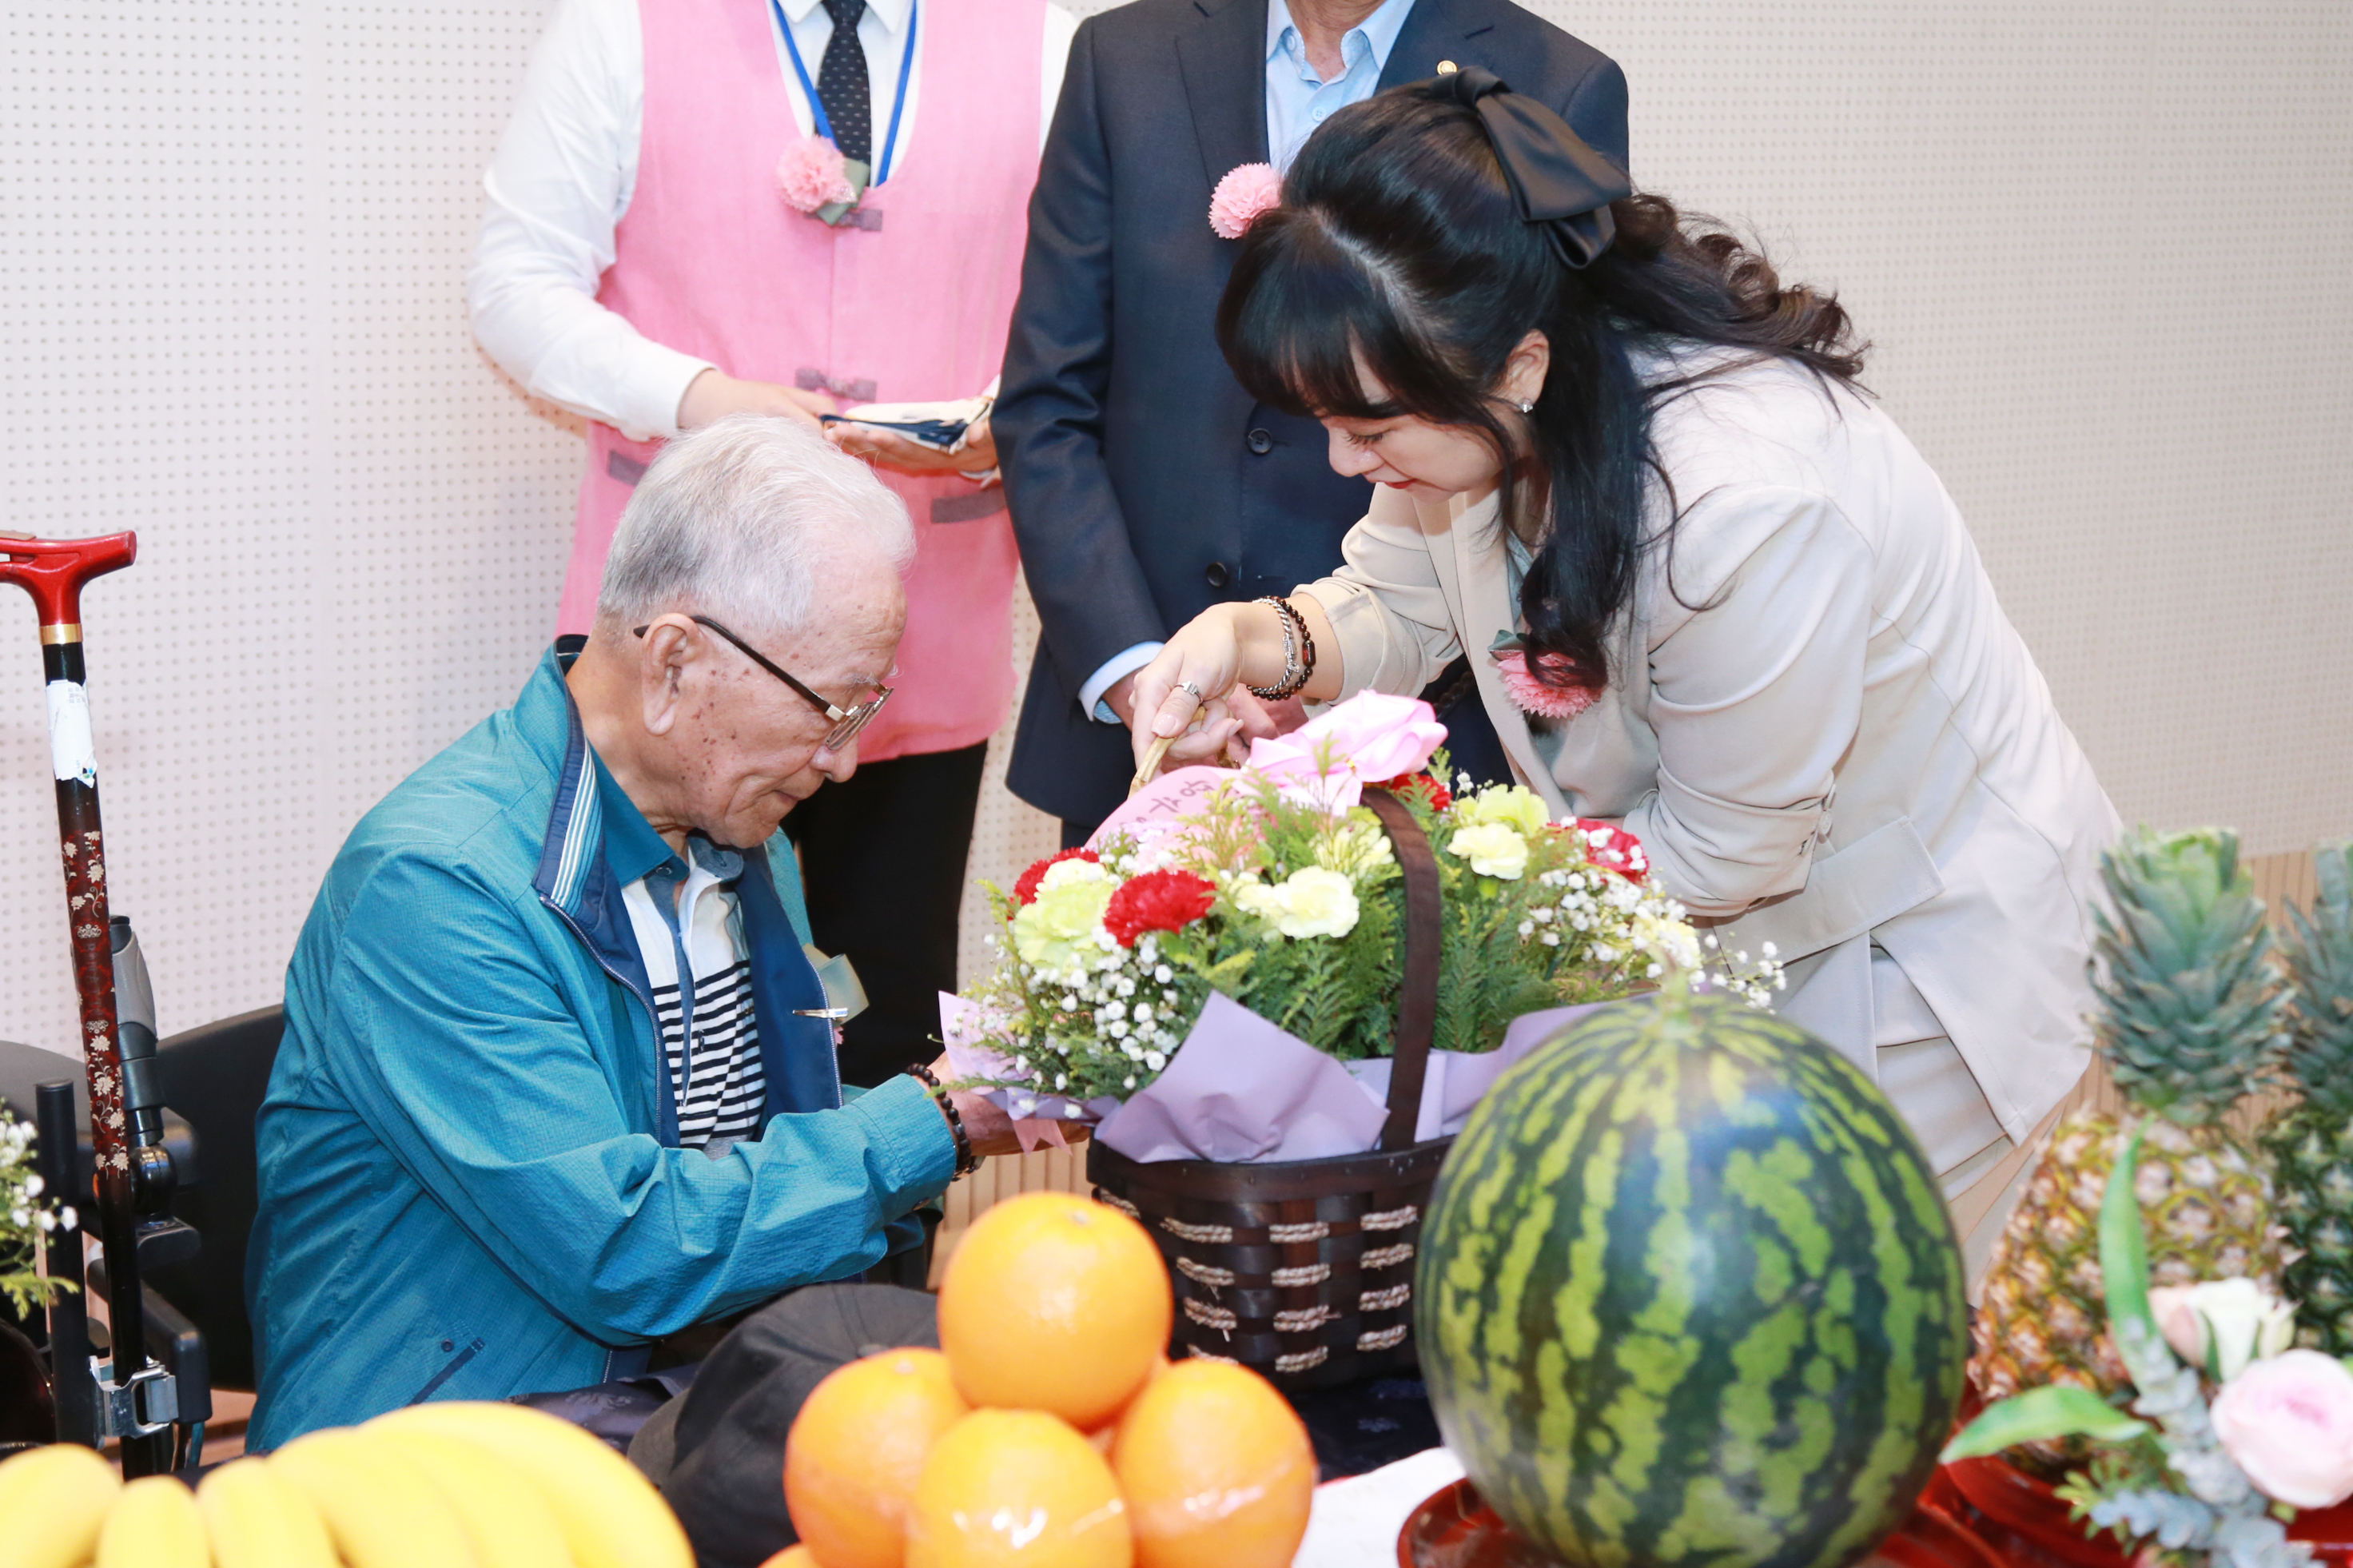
(469, 1179)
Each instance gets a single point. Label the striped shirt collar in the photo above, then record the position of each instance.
(592, 820)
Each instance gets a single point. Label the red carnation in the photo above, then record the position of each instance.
(1613, 849)
(1429, 788)
(1025, 891)
(1157, 900)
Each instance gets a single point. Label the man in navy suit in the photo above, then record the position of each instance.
(1145, 484)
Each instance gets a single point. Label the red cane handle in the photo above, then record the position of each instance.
(54, 570)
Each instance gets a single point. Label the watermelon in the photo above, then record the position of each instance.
(1688, 1294)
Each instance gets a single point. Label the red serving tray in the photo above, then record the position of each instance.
(1456, 1529)
(2021, 1518)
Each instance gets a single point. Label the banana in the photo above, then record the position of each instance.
(510, 1523)
(254, 1518)
(54, 1499)
(383, 1511)
(154, 1523)
(611, 1515)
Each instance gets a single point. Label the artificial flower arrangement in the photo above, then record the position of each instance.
(1275, 889)
(1242, 196)
(2229, 1430)
(24, 1214)
(815, 178)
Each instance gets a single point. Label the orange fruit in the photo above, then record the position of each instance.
(1057, 1303)
(1100, 1436)
(1019, 1488)
(1217, 1470)
(792, 1557)
(856, 1450)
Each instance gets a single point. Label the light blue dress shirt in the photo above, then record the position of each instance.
(1297, 101)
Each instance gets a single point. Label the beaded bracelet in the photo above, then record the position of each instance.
(1298, 653)
(967, 1162)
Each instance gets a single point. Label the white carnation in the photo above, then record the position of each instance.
(1494, 849)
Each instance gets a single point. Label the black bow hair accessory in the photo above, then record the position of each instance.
(1557, 180)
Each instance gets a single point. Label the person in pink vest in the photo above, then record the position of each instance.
(706, 208)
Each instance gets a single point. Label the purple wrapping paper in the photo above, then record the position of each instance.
(1240, 1091)
(1458, 1080)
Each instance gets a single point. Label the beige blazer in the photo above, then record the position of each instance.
(1828, 735)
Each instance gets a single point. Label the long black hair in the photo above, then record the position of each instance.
(1397, 242)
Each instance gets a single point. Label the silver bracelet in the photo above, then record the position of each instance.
(1295, 668)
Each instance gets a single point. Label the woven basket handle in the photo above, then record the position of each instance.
(1418, 1005)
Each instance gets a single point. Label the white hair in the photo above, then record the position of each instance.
(740, 520)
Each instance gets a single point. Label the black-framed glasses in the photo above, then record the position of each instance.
(847, 721)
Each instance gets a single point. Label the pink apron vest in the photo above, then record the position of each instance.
(711, 261)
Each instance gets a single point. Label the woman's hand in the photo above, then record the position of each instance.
(1196, 687)
(888, 449)
(1182, 692)
(713, 395)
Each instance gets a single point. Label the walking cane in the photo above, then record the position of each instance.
(136, 1399)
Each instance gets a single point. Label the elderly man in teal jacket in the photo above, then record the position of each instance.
(559, 1074)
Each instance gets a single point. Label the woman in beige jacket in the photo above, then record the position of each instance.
(1623, 458)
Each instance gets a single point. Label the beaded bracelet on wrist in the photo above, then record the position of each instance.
(1298, 653)
(967, 1162)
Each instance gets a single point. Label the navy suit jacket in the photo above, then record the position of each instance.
(1145, 484)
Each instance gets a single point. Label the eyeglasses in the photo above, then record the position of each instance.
(847, 721)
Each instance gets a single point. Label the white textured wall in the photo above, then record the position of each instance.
(2101, 248)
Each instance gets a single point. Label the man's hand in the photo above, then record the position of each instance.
(1260, 720)
(888, 449)
(714, 395)
(1120, 697)
(989, 1129)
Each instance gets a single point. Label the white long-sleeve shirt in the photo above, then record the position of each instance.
(567, 167)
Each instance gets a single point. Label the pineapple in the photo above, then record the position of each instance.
(2311, 1145)
(2190, 1020)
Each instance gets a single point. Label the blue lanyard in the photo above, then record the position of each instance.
(816, 110)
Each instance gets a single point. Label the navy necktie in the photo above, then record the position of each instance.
(843, 86)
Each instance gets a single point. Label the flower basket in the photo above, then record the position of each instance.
(1302, 1269)
(1274, 994)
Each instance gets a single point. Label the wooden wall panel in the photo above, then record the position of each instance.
(1046, 1171)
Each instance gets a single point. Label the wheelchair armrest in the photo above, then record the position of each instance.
(174, 1342)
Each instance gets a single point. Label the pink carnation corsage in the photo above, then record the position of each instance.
(813, 176)
(1241, 197)
(1534, 695)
